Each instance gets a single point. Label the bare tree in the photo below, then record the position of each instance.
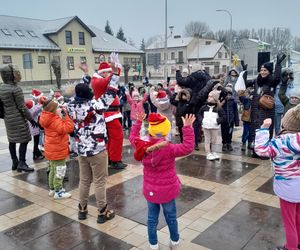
(57, 72)
(197, 29)
(153, 39)
(130, 42)
(126, 68)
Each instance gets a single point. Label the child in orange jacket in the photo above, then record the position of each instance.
(57, 126)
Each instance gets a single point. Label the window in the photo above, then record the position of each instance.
(207, 42)
(206, 69)
(180, 57)
(216, 69)
(19, 32)
(153, 59)
(226, 55)
(6, 32)
(172, 55)
(82, 59)
(81, 38)
(41, 60)
(68, 37)
(27, 61)
(6, 59)
(97, 59)
(224, 68)
(30, 32)
(70, 62)
(219, 54)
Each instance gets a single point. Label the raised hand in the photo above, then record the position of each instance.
(244, 66)
(266, 123)
(280, 58)
(188, 120)
(83, 66)
(140, 116)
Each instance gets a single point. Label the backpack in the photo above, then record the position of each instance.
(1, 109)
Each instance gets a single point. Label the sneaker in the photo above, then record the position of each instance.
(216, 155)
(52, 192)
(281, 248)
(243, 147)
(61, 194)
(210, 157)
(224, 147)
(175, 245)
(229, 147)
(153, 247)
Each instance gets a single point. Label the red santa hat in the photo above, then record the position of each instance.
(36, 93)
(161, 94)
(104, 67)
(29, 103)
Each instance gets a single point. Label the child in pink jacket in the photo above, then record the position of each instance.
(161, 184)
(136, 103)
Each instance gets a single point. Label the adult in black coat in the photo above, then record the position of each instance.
(265, 83)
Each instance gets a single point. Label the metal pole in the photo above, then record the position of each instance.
(166, 39)
(230, 35)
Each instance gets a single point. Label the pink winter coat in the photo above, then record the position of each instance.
(161, 183)
(136, 106)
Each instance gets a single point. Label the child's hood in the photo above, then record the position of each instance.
(47, 118)
(155, 157)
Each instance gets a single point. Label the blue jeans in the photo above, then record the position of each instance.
(169, 210)
(277, 122)
(246, 131)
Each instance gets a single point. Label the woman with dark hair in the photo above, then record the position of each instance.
(16, 116)
(264, 86)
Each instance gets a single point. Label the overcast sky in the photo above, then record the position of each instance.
(145, 18)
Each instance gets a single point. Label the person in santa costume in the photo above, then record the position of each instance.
(99, 84)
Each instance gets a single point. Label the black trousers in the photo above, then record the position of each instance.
(22, 151)
(227, 131)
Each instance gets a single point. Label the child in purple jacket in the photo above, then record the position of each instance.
(284, 151)
(161, 184)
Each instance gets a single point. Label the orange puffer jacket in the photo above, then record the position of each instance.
(56, 135)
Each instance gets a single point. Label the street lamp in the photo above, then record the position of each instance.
(166, 39)
(230, 35)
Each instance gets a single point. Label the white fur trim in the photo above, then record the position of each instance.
(112, 117)
(96, 75)
(104, 70)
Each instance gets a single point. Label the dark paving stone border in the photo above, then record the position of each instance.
(52, 231)
(221, 171)
(267, 187)
(248, 226)
(127, 200)
(10, 202)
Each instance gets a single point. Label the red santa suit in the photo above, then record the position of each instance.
(112, 115)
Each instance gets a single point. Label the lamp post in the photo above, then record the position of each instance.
(230, 34)
(166, 39)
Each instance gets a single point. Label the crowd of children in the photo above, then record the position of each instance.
(90, 121)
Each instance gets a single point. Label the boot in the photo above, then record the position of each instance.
(229, 147)
(15, 163)
(224, 147)
(38, 156)
(22, 166)
(118, 165)
(243, 148)
(105, 215)
(82, 213)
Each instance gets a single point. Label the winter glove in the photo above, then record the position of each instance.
(280, 58)
(244, 66)
(114, 82)
(33, 123)
(284, 77)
